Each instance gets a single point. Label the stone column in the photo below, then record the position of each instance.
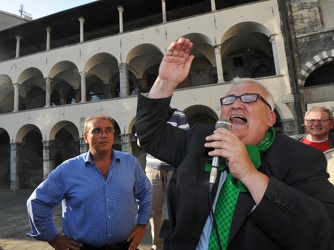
(18, 39)
(124, 80)
(47, 92)
(219, 64)
(48, 162)
(82, 21)
(213, 5)
(126, 144)
(16, 97)
(83, 86)
(164, 15)
(84, 147)
(48, 34)
(272, 39)
(14, 173)
(120, 13)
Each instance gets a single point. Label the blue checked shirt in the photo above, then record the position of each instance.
(95, 210)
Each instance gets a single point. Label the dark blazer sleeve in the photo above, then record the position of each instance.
(297, 211)
(188, 187)
(156, 136)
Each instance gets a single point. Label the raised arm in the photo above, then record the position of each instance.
(174, 68)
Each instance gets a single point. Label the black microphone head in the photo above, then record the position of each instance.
(223, 123)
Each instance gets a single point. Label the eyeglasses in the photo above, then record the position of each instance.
(312, 121)
(99, 131)
(245, 98)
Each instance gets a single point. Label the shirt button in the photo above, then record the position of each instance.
(107, 199)
(108, 216)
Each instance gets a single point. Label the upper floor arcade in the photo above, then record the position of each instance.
(100, 19)
(225, 46)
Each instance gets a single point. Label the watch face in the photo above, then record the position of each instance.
(330, 163)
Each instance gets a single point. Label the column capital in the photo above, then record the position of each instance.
(81, 19)
(120, 8)
(272, 37)
(217, 45)
(48, 28)
(18, 37)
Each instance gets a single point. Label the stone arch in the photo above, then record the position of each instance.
(200, 113)
(30, 164)
(315, 62)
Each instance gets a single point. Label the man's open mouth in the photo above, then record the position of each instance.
(237, 119)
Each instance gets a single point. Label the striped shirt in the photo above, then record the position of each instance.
(177, 119)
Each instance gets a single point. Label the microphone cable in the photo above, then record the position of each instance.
(214, 223)
(222, 123)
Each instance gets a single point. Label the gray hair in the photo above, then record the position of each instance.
(320, 109)
(269, 97)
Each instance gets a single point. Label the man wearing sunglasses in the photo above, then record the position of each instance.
(271, 192)
(97, 190)
(319, 122)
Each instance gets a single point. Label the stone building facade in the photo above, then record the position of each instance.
(8, 20)
(312, 24)
(58, 70)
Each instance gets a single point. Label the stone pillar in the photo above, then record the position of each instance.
(48, 34)
(272, 39)
(47, 92)
(48, 162)
(82, 21)
(126, 143)
(14, 173)
(84, 147)
(124, 80)
(213, 5)
(18, 39)
(164, 15)
(120, 13)
(83, 86)
(16, 97)
(289, 126)
(220, 75)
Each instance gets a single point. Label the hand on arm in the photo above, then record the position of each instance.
(174, 68)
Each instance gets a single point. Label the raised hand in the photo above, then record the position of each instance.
(174, 68)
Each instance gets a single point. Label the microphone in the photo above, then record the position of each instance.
(222, 123)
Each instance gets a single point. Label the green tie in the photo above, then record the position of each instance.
(229, 193)
(225, 206)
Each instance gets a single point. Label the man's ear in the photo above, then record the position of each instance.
(85, 138)
(271, 118)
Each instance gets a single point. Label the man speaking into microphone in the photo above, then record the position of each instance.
(271, 191)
